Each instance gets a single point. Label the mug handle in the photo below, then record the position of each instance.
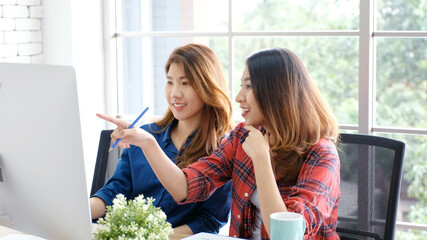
(303, 226)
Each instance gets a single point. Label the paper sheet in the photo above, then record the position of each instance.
(21, 237)
(209, 236)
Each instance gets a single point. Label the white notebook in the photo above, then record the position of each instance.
(209, 236)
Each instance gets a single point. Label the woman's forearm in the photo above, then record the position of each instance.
(171, 176)
(97, 207)
(269, 195)
(183, 229)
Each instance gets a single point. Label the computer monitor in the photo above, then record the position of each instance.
(42, 176)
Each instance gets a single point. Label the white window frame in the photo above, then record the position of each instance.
(367, 51)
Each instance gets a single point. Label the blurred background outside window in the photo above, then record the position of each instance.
(388, 60)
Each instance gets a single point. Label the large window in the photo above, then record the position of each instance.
(369, 59)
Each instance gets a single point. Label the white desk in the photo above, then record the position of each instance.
(4, 231)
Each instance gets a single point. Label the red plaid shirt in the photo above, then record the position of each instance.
(315, 195)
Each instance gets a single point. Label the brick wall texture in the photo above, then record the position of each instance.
(21, 38)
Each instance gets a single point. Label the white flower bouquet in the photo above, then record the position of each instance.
(133, 219)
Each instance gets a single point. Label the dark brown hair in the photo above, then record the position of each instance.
(292, 107)
(204, 72)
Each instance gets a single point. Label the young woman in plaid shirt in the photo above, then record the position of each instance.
(282, 158)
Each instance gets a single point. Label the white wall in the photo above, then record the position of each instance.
(20, 31)
(72, 36)
(56, 25)
(61, 32)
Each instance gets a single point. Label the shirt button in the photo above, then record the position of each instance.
(238, 216)
(246, 194)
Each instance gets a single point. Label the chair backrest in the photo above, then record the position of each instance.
(371, 171)
(105, 161)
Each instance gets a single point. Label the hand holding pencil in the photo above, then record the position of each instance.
(125, 133)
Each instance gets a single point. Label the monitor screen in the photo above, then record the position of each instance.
(42, 176)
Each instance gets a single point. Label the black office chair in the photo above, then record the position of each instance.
(371, 171)
(105, 161)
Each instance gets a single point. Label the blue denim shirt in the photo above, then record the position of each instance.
(133, 176)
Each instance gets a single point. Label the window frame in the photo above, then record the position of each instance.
(367, 35)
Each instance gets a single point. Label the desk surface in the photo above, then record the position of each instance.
(4, 231)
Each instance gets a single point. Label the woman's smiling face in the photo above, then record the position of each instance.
(248, 103)
(183, 100)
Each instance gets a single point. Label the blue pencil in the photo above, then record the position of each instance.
(131, 126)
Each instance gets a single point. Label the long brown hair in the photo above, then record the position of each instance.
(204, 72)
(292, 106)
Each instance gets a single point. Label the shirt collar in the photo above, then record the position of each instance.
(167, 136)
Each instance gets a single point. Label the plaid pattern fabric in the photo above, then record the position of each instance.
(315, 195)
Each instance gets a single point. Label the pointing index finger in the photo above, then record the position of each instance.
(118, 122)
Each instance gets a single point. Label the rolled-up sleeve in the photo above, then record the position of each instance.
(214, 212)
(210, 173)
(317, 192)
